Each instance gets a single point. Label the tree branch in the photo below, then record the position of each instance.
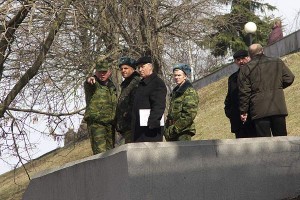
(46, 113)
(31, 72)
(10, 28)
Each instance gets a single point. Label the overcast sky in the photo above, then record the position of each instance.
(287, 10)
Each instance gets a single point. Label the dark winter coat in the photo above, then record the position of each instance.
(275, 35)
(241, 130)
(150, 94)
(261, 83)
(125, 102)
(232, 103)
(182, 111)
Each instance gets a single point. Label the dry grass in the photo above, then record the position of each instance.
(211, 123)
(292, 95)
(14, 183)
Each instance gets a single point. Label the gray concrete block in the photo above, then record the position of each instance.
(256, 168)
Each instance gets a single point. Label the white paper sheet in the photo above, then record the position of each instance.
(144, 116)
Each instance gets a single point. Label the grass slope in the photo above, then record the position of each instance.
(211, 123)
(14, 183)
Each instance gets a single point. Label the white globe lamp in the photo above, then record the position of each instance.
(250, 28)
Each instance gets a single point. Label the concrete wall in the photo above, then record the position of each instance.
(257, 168)
(215, 76)
(287, 45)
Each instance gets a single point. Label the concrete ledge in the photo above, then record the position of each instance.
(257, 168)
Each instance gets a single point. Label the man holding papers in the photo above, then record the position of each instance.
(149, 104)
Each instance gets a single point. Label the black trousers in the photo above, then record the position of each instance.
(246, 130)
(273, 125)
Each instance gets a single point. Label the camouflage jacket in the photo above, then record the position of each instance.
(101, 102)
(125, 102)
(182, 111)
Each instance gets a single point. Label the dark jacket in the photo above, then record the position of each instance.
(241, 130)
(101, 102)
(232, 103)
(275, 35)
(261, 83)
(150, 94)
(125, 102)
(182, 111)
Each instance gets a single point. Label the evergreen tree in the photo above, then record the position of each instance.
(229, 28)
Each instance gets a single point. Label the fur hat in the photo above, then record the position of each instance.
(127, 61)
(183, 67)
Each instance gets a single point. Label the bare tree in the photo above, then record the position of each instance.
(19, 91)
(48, 48)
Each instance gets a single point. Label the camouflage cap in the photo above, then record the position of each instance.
(183, 67)
(102, 66)
(127, 61)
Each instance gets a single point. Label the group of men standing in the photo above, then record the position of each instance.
(255, 102)
(137, 112)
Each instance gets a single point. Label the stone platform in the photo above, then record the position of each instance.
(237, 169)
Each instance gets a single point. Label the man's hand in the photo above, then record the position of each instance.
(91, 80)
(244, 117)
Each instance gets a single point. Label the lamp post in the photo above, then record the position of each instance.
(250, 28)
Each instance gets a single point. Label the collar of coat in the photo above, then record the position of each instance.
(109, 83)
(148, 79)
(179, 90)
(126, 81)
(255, 60)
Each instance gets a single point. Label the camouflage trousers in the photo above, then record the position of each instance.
(102, 137)
(184, 137)
(124, 137)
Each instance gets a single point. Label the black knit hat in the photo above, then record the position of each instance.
(240, 54)
(144, 60)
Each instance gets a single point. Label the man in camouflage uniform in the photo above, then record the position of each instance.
(124, 107)
(101, 100)
(183, 107)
